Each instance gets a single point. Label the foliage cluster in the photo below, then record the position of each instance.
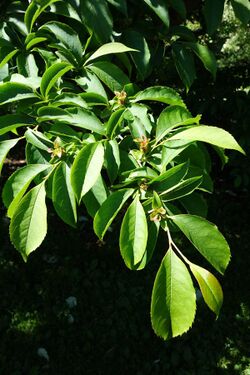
(95, 142)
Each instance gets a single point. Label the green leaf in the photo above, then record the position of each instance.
(121, 5)
(14, 121)
(6, 55)
(110, 75)
(184, 63)
(213, 12)
(11, 92)
(109, 48)
(33, 42)
(170, 178)
(210, 134)
(153, 231)
(5, 147)
(173, 117)
(79, 117)
(51, 75)
(142, 57)
(207, 239)
(173, 298)
(91, 84)
(35, 155)
(179, 7)
(95, 197)
(97, 18)
(18, 183)
(67, 36)
(242, 10)
(28, 226)
(70, 99)
(159, 94)
(184, 32)
(182, 189)
(114, 122)
(210, 287)
(86, 168)
(27, 67)
(63, 196)
(134, 234)
(195, 204)
(109, 209)
(112, 159)
(206, 56)
(38, 140)
(161, 10)
(33, 12)
(141, 111)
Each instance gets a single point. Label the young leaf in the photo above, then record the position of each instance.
(28, 226)
(63, 196)
(18, 183)
(51, 75)
(173, 298)
(213, 12)
(110, 75)
(210, 287)
(5, 147)
(159, 94)
(134, 234)
(207, 239)
(109, 48)
(210, 134)
(86, 168)
(109, 209)
(160, 8)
